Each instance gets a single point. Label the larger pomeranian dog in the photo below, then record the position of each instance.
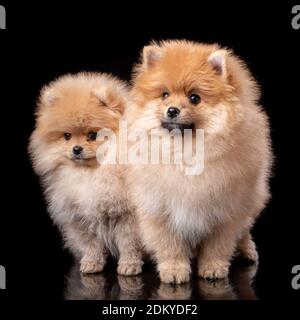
(87, 201)
(188, 85)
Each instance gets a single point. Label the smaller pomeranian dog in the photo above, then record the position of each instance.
(87, 201)
(186, 85)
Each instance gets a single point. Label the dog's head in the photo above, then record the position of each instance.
(70, 112)
(186, 85)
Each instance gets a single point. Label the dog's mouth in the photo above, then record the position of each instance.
(175, 125)
(81, 159)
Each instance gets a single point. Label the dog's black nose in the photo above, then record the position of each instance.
(77, 150)
(173, 112)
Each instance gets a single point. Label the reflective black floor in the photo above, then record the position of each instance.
(109, 285)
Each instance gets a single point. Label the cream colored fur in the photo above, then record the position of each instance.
(210, 214)
(87, 201)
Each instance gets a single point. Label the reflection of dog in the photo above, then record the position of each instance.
(185, 85)
(131, 288)
(108, 286)
(102, 286)
(87, 201)
(86, 286)
(239, 287)
(216, 290)
(168, 291)
(242, 281)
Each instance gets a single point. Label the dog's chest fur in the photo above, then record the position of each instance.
(192, 204)
(94, 195)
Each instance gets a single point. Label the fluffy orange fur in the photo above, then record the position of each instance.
(210, 214)
(87, 201)
(78, 105)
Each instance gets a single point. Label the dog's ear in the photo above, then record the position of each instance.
(151, 54)
(218, 60)
(48, 96)
(108, 98)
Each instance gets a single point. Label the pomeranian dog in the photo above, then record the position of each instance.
(87, 201)
(187, 85)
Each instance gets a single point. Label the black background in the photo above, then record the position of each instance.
(43, 41)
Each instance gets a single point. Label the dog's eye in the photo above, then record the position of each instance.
(165, 94)
(67, 136)
(194, 99)
(92, 135)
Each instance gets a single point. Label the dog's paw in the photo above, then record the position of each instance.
(213, 270)
(91, 266)
(174, 273)
(129, 268)
(249, 252)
